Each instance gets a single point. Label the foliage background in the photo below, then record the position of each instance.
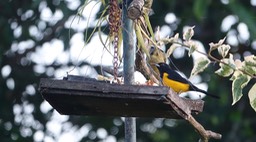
(22, 113)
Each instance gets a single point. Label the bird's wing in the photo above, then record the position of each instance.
(173, 75)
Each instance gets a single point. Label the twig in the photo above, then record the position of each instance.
(185, 112)
(141, 66)
(217, 60)
(205, 134)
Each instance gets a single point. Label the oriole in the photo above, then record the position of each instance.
(175, 81)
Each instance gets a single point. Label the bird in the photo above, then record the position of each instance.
(174, 80)
(156, 56)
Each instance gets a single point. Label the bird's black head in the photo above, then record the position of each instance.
(162, 67)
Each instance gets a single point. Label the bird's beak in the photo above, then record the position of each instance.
(157, 65)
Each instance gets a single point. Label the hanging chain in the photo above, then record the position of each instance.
(114, 27)
(115, 62)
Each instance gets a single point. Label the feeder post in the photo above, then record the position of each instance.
(129, 62)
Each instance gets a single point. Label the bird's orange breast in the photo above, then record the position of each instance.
(175, 85)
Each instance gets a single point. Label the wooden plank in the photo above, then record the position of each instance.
(91, 97)
(104, 87)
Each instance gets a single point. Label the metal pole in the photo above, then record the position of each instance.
(129, 62)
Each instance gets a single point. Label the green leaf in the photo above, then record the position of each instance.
(187, 35)
(224, 71)
(192, 48)
(149, 25)
(103, 2)
(250, 60)
(228, 68)
(223, 50)
(171, 49)
(214, 46)
(239, 82)
(200, 65)
(252, 96)
(141, 42)
(192, 45)
(250, 64)
(174, 39)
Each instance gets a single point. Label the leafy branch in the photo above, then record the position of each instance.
(241, 72)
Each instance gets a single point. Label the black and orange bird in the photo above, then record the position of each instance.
(174, 80)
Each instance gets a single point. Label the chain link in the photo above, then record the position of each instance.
(114, 25)
(115, 62)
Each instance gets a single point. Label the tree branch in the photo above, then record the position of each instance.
(141, 66)
(185, 112)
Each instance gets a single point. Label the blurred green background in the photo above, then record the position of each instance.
(25, 116)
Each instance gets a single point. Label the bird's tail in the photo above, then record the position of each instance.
(206, 93)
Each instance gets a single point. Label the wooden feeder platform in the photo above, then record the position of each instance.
(76, 95)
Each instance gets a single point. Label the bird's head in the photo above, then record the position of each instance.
(162, 67)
